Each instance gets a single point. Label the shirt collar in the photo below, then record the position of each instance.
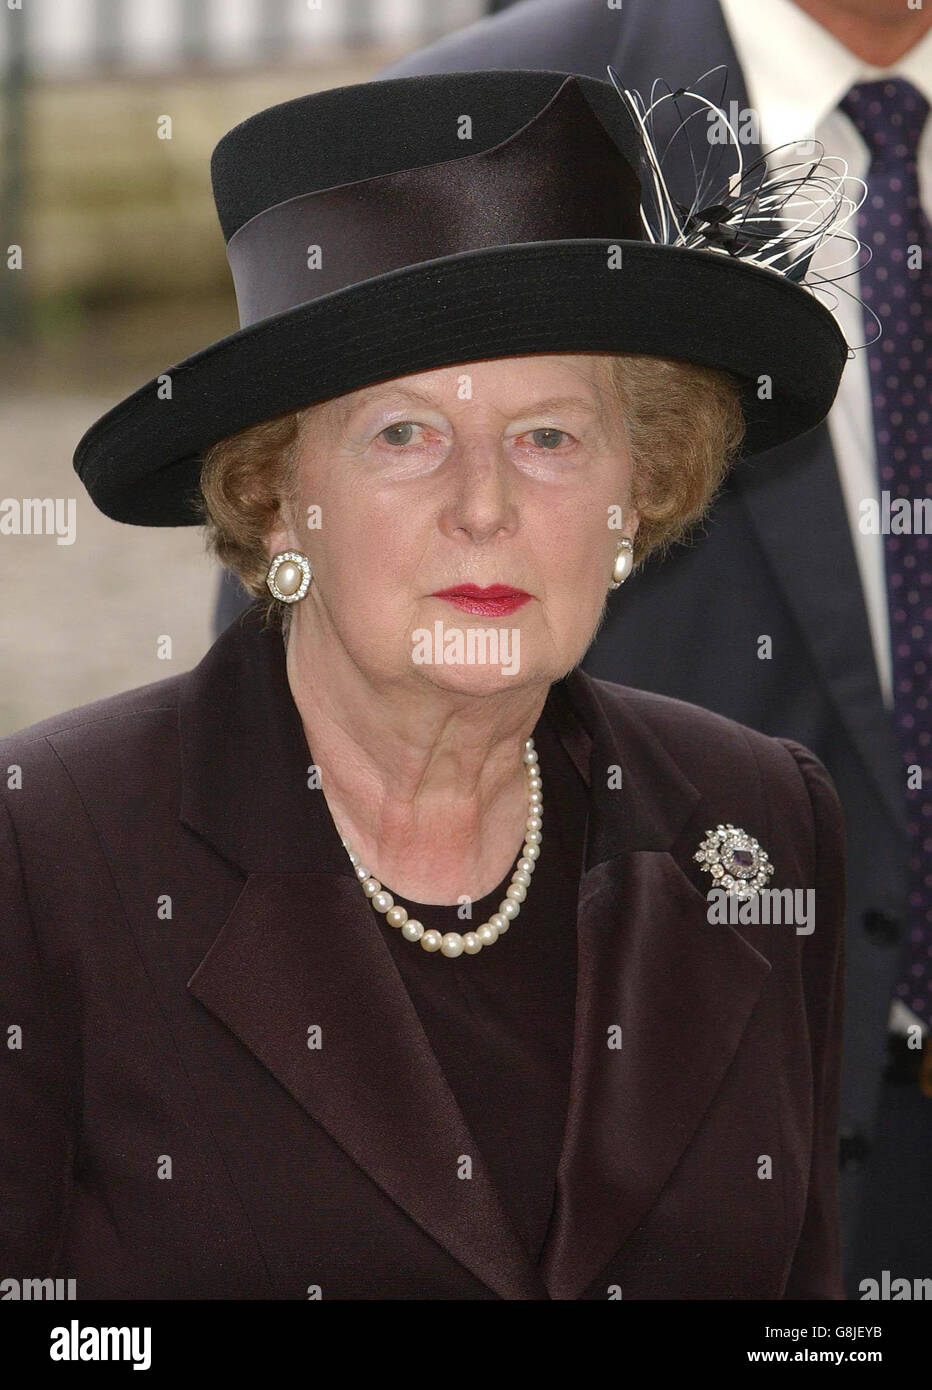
(794, 98)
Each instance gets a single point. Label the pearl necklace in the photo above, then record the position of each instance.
(471, 942)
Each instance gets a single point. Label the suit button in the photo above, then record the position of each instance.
(853, 1149)
(882, 927)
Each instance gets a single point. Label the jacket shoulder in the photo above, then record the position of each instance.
(95, 724)
(707, 745)
(553, 35)
(678, 723)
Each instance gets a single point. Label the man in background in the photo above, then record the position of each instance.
(806, 623)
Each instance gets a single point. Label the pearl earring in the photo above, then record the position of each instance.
(289, 576)
(624, 563)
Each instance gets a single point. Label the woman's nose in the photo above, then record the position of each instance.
(481, 499)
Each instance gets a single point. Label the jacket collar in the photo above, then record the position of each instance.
(298, 949)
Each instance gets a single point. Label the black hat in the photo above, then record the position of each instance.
(401, 225)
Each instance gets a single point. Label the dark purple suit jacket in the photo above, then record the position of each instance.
(178, 913)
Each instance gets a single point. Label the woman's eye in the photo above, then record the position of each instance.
(547, 437)
(398, 433)
(402, 432)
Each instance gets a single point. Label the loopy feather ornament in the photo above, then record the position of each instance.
(775, 212)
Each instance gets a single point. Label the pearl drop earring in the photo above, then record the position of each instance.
(624, 563)
(289, 576)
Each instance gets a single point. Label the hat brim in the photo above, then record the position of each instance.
(141, 461)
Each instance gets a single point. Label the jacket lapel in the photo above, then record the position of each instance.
(643, 960)
(298, 952)
(823, 589)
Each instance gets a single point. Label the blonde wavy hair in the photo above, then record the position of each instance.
(684, 425)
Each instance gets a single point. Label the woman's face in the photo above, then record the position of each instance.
(509, 472)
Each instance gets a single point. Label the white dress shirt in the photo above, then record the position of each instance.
(796, 73)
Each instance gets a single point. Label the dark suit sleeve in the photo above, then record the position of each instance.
(816, 1270)
(39, 1088)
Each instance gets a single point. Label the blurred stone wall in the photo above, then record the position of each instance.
(126, 270)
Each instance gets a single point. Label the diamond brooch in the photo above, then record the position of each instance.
(735, 860)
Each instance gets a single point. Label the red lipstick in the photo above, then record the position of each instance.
(493, 602)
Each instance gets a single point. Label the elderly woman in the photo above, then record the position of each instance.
(385, 954)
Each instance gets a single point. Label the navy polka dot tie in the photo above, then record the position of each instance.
(897, 286)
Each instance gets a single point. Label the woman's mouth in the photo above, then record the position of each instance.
(493, 602)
